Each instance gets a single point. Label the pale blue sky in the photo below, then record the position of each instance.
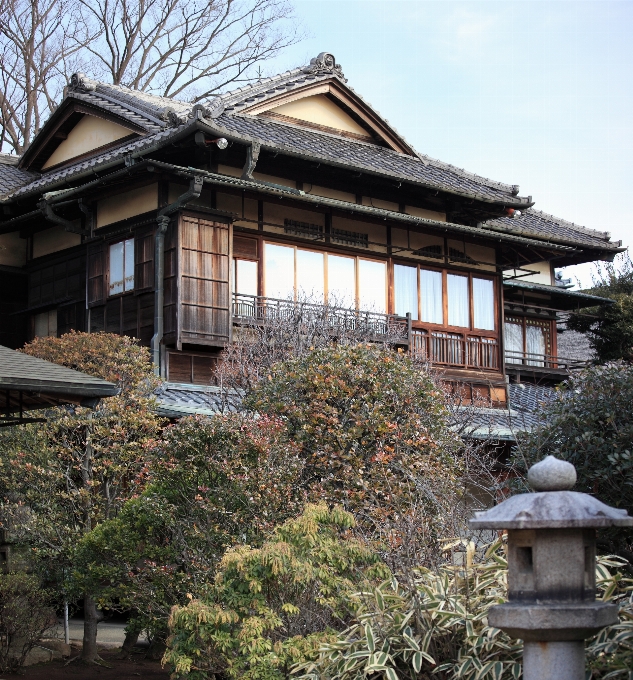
(536, 93)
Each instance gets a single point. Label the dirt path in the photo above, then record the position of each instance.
(136, 667)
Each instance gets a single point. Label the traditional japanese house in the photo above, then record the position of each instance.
(173, 222)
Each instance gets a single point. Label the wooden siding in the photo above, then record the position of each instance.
(203, 282)
(57, 281)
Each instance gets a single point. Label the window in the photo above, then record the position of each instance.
(45, 324)
(121, 277)
(483, 304)
(405, 284)
(245, 277)
(527, 341)
(458, 303)
(431, 294)
(347, 280)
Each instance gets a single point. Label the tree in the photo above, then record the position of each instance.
(64, 478)
(373, 430)
(273, 606)
(610, 327)
(40, 41)
(214, 482)
(590, 424)
(175, 48)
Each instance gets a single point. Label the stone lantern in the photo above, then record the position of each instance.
(552, 570)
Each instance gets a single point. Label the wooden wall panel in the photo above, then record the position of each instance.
(204, 257)
(170, 285)
(96, 274)
(144, 262)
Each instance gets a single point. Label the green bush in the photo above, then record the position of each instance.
(25, 615)
(273, 606)
(439, 629)
(590, 424)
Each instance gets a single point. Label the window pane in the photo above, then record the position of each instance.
(310, 275)
(535, 345)
(246, 277)
(484, 304)
(458, 301)
(341, 281)
(279, 272)
(116, 268)
(405, 283)
(129, 264)
(431, 294)
(372, 285)
(513, 335)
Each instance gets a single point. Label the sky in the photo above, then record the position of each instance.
(536, 93)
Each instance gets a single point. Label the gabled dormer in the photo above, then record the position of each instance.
(77, 130)
(317, 97)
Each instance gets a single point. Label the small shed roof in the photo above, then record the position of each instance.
(28, 383)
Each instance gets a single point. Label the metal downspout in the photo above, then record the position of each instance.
(195, 188)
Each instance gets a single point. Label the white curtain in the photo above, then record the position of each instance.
(483, 304)
(128, 283)
(513, 337)
(458, 312)
(279, 272)
(246, 277)
(405, 283)
(116, 269)
(535, 345)
(372, 285)
(310, 275)
(341, 281)
(431, 295)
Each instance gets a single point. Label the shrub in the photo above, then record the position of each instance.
(590, 424)
(438, 628)
(273, 606)
(25, 615)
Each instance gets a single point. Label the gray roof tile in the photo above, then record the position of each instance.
(12, 177)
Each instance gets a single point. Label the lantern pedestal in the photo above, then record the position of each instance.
(555, 660)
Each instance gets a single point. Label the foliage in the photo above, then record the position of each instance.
(273, 606)
(610, 653)
(373, 431)
(438, 627)
(63, 478)
(25, 615)
(214, 482)
(610, 327)
(590, 424)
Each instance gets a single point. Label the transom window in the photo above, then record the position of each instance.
(442, 298)
(121, 278)
(345, 281)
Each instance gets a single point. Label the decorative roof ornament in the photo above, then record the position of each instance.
(169, 115)
(80, 83)
(325, 64)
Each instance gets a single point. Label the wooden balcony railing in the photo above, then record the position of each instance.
(342, 321)
(531, 359)
(456, 349)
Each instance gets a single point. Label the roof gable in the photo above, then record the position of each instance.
(337, 104)
(89, 134)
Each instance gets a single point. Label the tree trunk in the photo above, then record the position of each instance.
(92, 616)
(131, 638)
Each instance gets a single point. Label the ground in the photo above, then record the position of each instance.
(135, 667)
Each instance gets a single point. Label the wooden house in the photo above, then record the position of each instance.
(135, 214)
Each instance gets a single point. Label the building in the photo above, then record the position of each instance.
(173, 222)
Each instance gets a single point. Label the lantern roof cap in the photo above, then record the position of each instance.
(553, 506)
(551, 510)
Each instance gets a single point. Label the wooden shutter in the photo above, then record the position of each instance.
(96, 274)
(144, 262)
(204, 299)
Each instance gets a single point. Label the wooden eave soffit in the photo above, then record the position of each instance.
(348, 101)
(57, 129)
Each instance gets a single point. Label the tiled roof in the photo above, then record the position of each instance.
(544, 226)
(52, 179)
(522, 414)
(179, 400)
(350, 153)
(557, 291)
(11, 176)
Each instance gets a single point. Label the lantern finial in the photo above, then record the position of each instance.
(552, 474)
